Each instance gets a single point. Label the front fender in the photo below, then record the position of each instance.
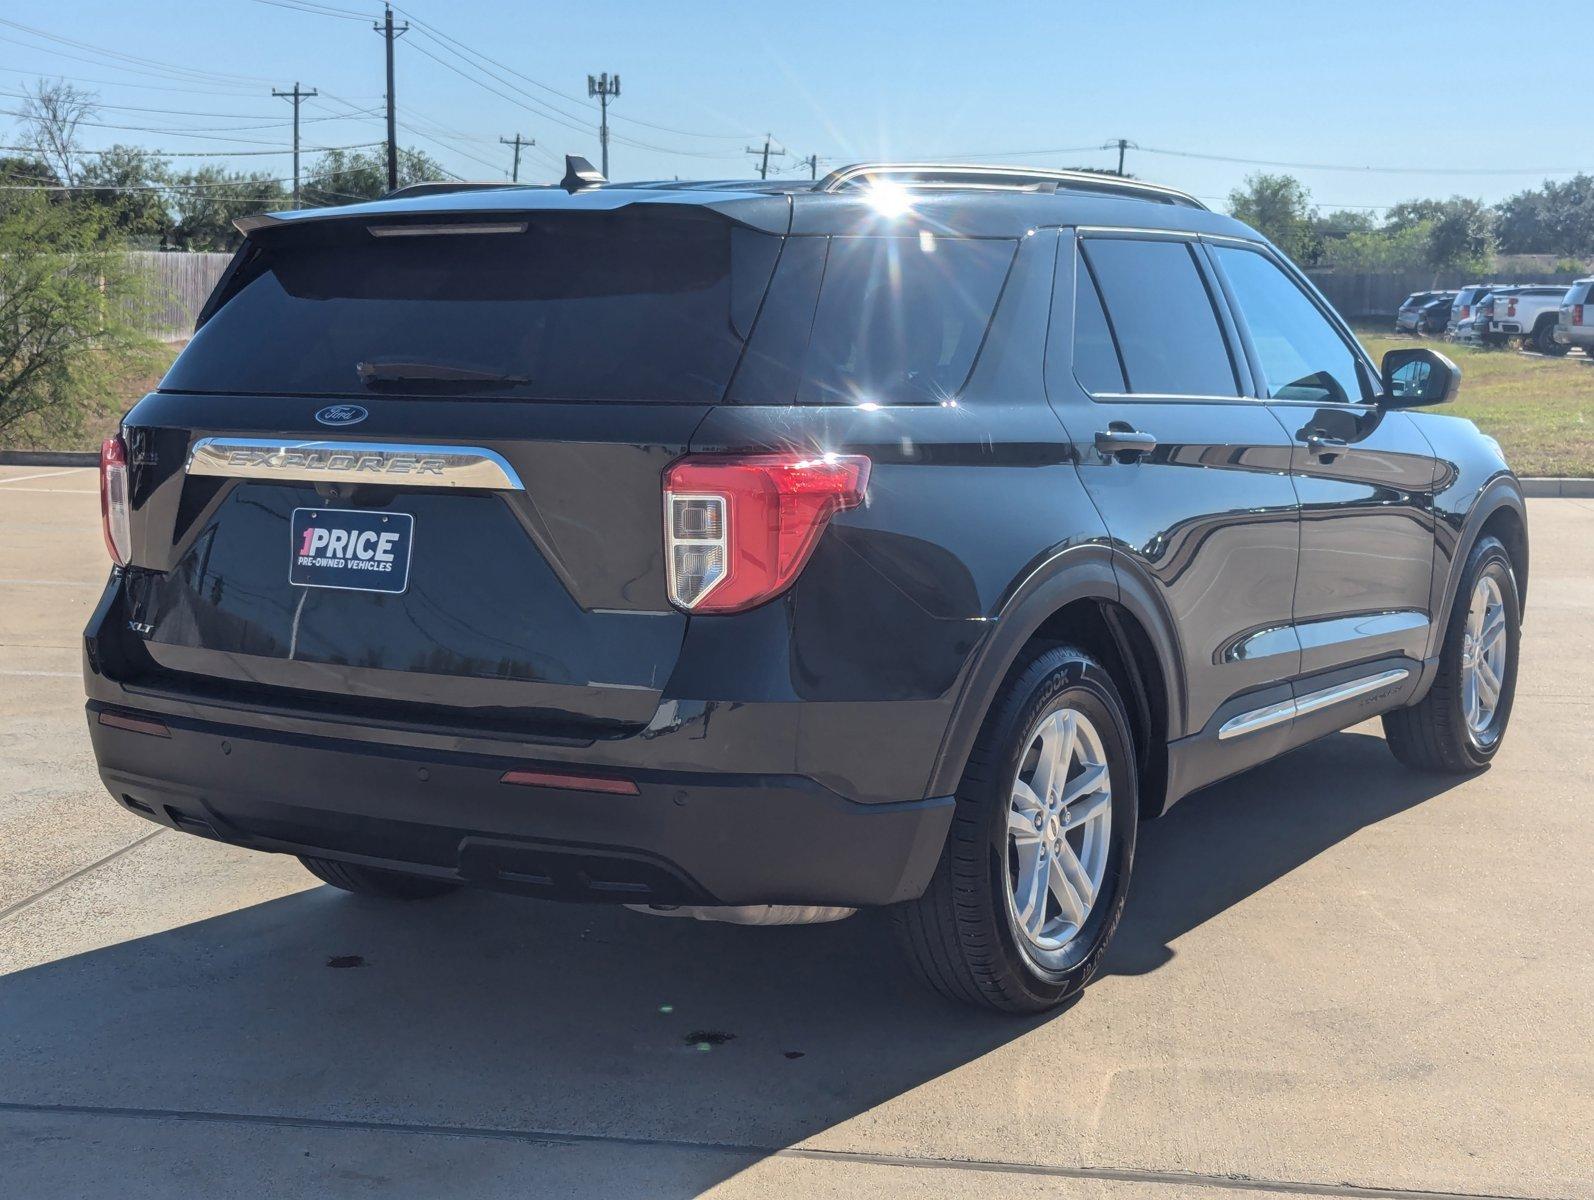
(1458, 531)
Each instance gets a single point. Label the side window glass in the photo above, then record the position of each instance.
(1158, 305)
(1096, 364)
(1303, 356)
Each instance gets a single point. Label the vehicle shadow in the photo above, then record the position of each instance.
(490, 1013)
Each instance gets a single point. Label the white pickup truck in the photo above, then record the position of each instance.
(1528, 312)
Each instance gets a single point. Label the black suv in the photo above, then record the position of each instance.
(763, 551)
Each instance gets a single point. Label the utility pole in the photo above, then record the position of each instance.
(603, 87)
(813, 165)
(389, 34)
(517, 142)
(763, 166)
(1122, 144)
(295, 96)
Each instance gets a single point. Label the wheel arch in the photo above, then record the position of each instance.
(1499, 511)
(1087, 596)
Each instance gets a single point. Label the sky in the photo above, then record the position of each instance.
(1386, 101)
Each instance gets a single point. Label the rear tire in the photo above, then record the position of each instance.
(372, 881)
(1450, 730)
(1059, 721)
(1544, 340)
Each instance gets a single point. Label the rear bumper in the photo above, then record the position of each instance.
(685, 837)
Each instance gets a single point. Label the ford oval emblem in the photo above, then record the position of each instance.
(342, 414)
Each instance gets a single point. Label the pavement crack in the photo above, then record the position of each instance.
(7, 913)
(548, 1137)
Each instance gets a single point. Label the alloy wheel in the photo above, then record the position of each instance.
(1483, 660)
(1059, 831)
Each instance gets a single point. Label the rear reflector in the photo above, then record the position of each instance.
(113, 500)
(613, 785)
(135, 724)
(738, 529)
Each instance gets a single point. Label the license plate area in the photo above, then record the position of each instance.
(351, 549)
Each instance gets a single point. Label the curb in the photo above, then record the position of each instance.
(48, 458)
(1564, 488)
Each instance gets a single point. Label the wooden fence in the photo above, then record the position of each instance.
(1375, 295)
(180, 284)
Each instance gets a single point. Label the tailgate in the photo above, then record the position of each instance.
(523, 581)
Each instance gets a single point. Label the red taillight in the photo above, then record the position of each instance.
(1577, 314)
(613, 785)
(739, 528)
(1511, 307)
(113, 499)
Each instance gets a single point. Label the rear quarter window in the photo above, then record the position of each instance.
(873, 320)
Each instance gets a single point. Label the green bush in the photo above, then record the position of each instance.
(70, 309)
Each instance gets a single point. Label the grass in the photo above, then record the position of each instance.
(1541, 409)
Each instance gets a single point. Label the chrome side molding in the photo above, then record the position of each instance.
(1287, 710)
(389, 463)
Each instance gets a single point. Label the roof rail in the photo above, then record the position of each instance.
(439, 186)
(965, 176)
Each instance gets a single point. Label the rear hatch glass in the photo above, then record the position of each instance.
(589, 307)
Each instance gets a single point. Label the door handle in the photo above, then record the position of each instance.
(1322, 444)
(1123, 443)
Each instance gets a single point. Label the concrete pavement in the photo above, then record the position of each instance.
(1335, 977)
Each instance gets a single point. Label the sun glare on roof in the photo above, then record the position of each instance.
(888, 199)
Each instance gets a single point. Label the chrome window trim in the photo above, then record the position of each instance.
(1286, 710)
(392, 464)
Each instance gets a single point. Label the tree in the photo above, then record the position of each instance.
(1557, 218)
(1461, 237)
(128, 182)
(346, 176)
(1522, 223)
(1412, 212)
(206, 202)
(51, 114)
(70, 306)
(1404, 249)
(1280, 208)
(18, 174)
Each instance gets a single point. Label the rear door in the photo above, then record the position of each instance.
(1191, 476)
(411, 468)
(1366, 476)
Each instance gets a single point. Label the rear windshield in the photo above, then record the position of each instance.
(620, 306)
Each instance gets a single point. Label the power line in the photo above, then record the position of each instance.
(1309, 166)
(173, 70)
(204, 153)
(439, 34)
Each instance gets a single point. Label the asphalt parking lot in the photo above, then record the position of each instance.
(1335, 978)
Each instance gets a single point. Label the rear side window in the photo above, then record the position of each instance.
(623, 306)
(1096, 363)
(1162, 318)
(900, 320)
(1303, 357)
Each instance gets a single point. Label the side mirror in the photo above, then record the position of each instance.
(1418, 377)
